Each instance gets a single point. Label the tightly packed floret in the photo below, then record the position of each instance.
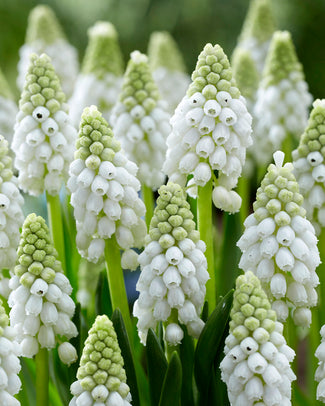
(8, 109)
(281, 108)
(308, 161)
(44, 139)
(210, 130)
(9, 362)
(279, 244)
(100, 80)
(168, 68)
(104, 188)
(101, 376)
(173, 270)
(320, 371)
(256, 367)
(45, 35)
(41, 306)
(140, 121)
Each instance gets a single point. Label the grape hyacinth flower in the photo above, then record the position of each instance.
(308, 161)
(256, 367)
(100, 80)
(173, 270)
(104, 188)
(41, 306)
(101, 375)
(281, 108)
(9, 362)
(210, 131)
(320, 371)
(8, 109)
(44, 138)
(279, 244)
(45, 35)
(168, 68)
(140, 121)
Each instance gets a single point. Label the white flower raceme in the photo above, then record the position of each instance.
(308, 161)
(104, 188)
(41, 306)
(320, 371)
(8, 109)
(256, 367)
(100, 80)
(140, 121)
(281, 108)
(210, 130)
(279, 244)
(101, 376)
(173, 270)
(9, 362)
(44, 35)
(44, 139)
(168, 69)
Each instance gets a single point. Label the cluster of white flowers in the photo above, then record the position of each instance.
(279, 244)
(320, 371)
(173, 270)
(101, 376)
(140, 121)
(100, 80)
(44, 138)
(8, 109)
(104, 188)
(256, 367)
(211, 130)
(41, 306)
(168, 69)
(281, 108)
(45, 35)
(309, 167)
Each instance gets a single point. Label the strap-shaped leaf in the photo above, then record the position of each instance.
(171, 391)
(186, 352)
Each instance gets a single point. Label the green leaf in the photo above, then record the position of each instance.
(171, 390)
(103, 301)
(157, 367)
(205, 311)
(186, 352)
(123, 339)
(221, 388)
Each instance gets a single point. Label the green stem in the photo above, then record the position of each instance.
(313, 340)
(204, 216)
(42, 377)
(116, 282)
(56, 226)
(148, 199)
(287, 146)
(243, 189)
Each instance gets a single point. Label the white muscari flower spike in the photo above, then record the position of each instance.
(173, 270)
(256, 367)
(100, 80)
(101, 378)
(44, 139)
(41, 306)
(210, 130)
(141, 122)
(279, 244)
(168, 68)
(8, 109)
(44, 35)
(104, 188)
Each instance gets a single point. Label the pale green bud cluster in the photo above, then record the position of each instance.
(4, 319)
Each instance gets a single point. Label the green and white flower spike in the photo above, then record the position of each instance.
(101, 375)
(100, 80)
(168, 68)
(8, 109)
(256, 367)
(279, 244)
(45, 35)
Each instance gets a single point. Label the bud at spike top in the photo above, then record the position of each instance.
(140, 121)
(44, 139)
(308, 161)
(173, 269)
(168, 68)
(8, 109)
(210, 129)
(45, 35)
(281, 108)
(104, 188)
(100, 80)
(256, 367)
(279, 244)
(41, 306)
(101, 375)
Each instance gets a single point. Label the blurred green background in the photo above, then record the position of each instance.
(191, 22)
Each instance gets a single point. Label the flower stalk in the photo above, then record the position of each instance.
(42, 377)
